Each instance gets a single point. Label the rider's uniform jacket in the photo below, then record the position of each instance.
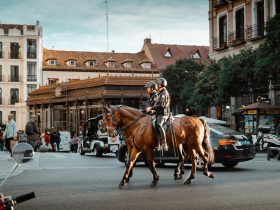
(152, 98)
(162, 105)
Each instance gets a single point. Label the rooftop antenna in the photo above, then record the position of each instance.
(107, 28)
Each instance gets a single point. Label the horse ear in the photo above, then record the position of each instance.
(106, 109)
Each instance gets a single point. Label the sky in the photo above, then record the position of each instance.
(80, 25)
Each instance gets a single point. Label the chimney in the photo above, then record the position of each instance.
(147, 41)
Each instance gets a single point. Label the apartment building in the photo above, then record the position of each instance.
(20, 69)
(237, 24)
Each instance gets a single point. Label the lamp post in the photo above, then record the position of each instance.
(250, 90)
(270, 88)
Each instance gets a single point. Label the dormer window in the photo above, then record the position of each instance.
(168, 54)
(146, 65)
(111, 63)
(53, 62)
(91, 63)
(127, 64)
(196, 56)
(71, 62)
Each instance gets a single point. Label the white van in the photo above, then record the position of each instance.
(65, 139)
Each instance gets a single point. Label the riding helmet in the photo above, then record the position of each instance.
(151, 84)
(161, 81)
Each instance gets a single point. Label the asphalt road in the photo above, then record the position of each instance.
(70, 181)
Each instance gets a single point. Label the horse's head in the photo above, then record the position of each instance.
(111, 119)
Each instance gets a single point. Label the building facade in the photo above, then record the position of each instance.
(236, 25)
(20, 69)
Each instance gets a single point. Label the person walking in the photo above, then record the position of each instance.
(10, 134)
(32, 131)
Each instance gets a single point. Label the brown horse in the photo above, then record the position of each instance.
(140, 136)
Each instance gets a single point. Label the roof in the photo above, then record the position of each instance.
(259, 105)
(100, 57)
(157, 52)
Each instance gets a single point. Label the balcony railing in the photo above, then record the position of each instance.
(219, 45)
(14, 55)
(31, 55)
(31, 78)
(236, 38)
(255, 31)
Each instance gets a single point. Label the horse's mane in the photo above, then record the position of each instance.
(131, 109)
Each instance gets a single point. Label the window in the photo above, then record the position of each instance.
(32, 48)
(53, 62)
(31, 71)
(14, 50)
(1, 118)
(1, 96)
(196, 56)
(127, 64)
(30, 88)
(14, 77)
(1, 79)
(52, 80)
(14, 96)
(111, 64)
(14, 113)
(71, 63)
(146, 65)
(223, 31)
(239, 24)
(260, 18)
(91, 63)
(277, 6)
(1, 50)
(168, 54)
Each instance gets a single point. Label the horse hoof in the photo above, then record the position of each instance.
(211, 176)
(122, 184)
(155, 181)
(188, 182)
(178, 177)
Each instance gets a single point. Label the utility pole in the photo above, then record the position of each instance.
(107, 21)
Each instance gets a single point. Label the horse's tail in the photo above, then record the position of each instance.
(206, 142)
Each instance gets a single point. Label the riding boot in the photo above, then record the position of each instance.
(163, 138)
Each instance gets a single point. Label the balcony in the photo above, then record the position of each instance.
(31, 78)
(14, 55)
(219, 45)
(219, 3)
(255, 32)
(32, 55)
(236, 38)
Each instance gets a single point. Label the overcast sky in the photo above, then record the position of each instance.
(81, 24)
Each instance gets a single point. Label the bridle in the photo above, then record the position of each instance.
(118, 127)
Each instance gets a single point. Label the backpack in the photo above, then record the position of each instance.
(29, 129)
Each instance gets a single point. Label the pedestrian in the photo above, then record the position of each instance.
(278, 131)
(10, 134)
(161, 109)
(55, 139)
(32, 131)
(75, 141)
(1, 141)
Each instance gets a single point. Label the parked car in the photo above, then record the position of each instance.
(230, 148)
(97, 142)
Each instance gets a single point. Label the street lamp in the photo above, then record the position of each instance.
(250, 90)
(270, 87)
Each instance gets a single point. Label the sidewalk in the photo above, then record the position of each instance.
(7, 165)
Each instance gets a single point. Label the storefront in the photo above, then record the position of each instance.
(68, 105)
(259, 114)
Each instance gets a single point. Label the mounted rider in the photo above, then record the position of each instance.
(161, 109)
(152, 98)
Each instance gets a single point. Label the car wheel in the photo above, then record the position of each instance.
(230, 164)
(81, 150)
(126, 157)
(278, 156)
(268, 153)
(97, 152)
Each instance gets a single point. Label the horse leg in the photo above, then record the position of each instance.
(133, 157)
(204, 157)
(193, 156)
(179, 170)
(151, 165)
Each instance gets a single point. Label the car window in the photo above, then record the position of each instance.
(224, 130)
